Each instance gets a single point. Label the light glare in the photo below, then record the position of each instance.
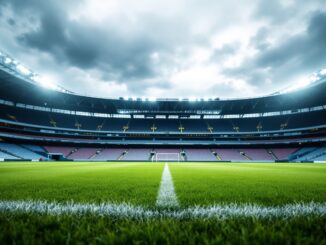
(44, 82)
(22, 69)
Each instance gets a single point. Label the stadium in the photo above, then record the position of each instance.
(217, 150)
(41, 124)
(162, 122)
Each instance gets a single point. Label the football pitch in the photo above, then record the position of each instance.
(140, 202)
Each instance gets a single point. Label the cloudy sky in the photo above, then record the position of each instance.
(167, 48)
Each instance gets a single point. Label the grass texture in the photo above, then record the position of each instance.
(81, 182)
(199, 187)
(258, 183)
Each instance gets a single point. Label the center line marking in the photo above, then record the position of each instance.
(166, 197)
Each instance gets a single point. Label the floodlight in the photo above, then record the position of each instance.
(44, 82)
(206, 99)
(152, 99)
(322, 72)
(192, 99)
(23, 70)
(304, 82)
(8, 60)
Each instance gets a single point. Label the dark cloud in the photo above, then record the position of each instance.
(11, 22)
(225, 51)
(121, 50)
(300, 54)
(273, 11)
(307, 49)
(260, 40)
(86, 46)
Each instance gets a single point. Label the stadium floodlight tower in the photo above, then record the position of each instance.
(167, 157)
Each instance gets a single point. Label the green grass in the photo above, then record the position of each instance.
(69, 229)
(265, 184)
(138, 184)
(81, 182)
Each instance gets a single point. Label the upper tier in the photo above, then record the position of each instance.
(19, 90)
(51, 120)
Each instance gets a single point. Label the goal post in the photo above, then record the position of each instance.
(167, 157)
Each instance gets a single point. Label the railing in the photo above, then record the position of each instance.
(284, 132)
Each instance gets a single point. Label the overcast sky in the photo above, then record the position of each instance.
(167, 48)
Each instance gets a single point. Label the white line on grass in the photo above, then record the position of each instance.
(220, 212)
(166, 197)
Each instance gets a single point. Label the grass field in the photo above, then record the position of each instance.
(267, 184)
(138, 186)
(81, 182)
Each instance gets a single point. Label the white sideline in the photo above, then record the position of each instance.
(166, 197)
(219, 212)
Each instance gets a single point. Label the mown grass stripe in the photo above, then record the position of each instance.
(137, 212)
(166, 197)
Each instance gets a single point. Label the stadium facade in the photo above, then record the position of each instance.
(39, 123)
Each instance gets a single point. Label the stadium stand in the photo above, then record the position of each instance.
(231, 155)
(83, 154)
(258, 154)
(295, 156)
(137, 155)
(321, 158)
(313, 155)
(19, 151)
(109, 154)
(13, 151)
(4, 155)
(167, 150)
(42, 122)
(200, 155)
(65, 151)
(283, 153)
(59, 120)
(34, 148)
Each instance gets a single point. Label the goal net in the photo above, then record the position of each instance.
(167, 157)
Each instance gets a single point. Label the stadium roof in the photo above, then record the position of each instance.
(18, 89)
(14, 68)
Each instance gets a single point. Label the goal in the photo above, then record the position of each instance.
(167, 157)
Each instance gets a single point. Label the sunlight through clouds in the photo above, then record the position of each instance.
(167, 48)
